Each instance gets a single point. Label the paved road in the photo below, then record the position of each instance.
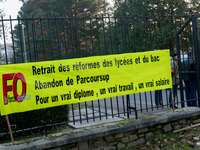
(141, 100)
(115, 107)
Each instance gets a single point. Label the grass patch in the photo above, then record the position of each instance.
(36, 135)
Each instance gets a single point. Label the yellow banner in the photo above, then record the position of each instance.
(31, 86)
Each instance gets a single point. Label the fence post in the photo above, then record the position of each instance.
(196, 50)
(24, 43)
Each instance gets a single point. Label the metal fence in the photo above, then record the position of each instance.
(192, 47)
(43, 39)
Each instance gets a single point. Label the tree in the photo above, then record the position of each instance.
(1, 13)
(59, 29)
(153, 24)
(2, 58)
(157, 7)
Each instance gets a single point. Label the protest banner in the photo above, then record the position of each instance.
(31, 86)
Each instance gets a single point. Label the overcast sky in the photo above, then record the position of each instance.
(11, 7)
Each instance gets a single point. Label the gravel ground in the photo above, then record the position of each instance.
(182, 140)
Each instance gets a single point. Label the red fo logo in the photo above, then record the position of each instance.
(13, 87)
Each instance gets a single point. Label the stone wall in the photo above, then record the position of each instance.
(116, 135)
(130, 138)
